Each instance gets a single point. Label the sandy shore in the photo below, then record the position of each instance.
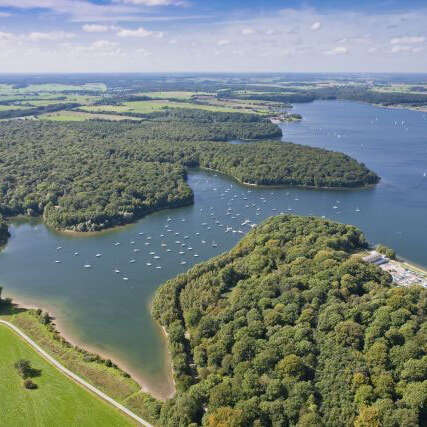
(67, 332)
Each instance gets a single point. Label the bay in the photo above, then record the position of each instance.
(106, 307)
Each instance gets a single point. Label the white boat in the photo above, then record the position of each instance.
(183, 262)
(132, 261)
(334, 207)
(75, 253)
(136, 250)
(125, 278)
(98, 255)
(87, 266)
(196, 255)
(59, 248)
(58, 262)
(116, 270)
(148, 263)
(156, 257)
(159, 267)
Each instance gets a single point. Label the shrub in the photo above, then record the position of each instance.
(28, 384)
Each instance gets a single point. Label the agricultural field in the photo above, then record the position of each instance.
(52, 87)
(49, 404)
(173, 94)
(145, 107)
(78, 116)
(405, 88)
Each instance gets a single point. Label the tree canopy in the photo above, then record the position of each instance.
(291, 328)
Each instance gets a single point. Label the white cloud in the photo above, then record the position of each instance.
(94, 28)
(223, 42)
(156, 2)
(248, 31)
(6, 36)
(97, 48)
(339, 50)
(316, 26)
(405, 48)
(407, 40)
(143, 52)
(103, 44)
(139, 32)
(51, 36)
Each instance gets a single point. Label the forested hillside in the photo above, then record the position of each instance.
(92, 175)
(290, 329)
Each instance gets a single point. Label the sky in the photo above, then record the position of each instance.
(213, 36)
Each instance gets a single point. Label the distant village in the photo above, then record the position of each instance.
(403, 274)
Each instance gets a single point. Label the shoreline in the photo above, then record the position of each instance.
(298, 187)
(68, 335)
(420, 109)
(118, 227)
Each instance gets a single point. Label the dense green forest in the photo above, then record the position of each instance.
(92, 175)
(345, 92)
(36, 111)
(4, 233)
(290, 328)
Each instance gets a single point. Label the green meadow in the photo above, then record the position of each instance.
(58, 401)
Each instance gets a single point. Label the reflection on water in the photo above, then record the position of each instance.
(106, 305)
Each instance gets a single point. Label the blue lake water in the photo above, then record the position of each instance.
(108, 311)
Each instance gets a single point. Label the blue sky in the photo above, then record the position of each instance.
(213, 35)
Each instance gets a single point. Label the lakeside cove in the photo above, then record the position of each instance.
(85, 300)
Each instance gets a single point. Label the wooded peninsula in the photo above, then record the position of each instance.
(88, 176)
(290, 328)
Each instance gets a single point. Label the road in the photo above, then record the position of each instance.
(76, 377)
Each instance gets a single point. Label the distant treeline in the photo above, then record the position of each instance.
(350, 92)
(36, 111)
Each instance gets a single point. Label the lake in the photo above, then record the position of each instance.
(105, 307)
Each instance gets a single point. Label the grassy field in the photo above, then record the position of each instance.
(77, 116)
(58, 401)
(145, 107)
(13, 107)
(110, 380)
(173, 94)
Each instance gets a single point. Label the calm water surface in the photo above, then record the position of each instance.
(109, 311)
